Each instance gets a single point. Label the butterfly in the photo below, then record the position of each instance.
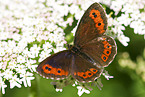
(91, 52)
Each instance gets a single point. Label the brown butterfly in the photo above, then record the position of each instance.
(91, 52)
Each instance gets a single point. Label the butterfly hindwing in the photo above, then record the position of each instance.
(102, 50)
(92, 24)
(57, 66)
(83, 70)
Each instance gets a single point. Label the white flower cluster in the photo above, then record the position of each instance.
(31, 29)
(27, 30)
(132, 14)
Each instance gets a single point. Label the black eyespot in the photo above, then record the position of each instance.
(49, 69)
(93, 13)
(95, 16)
(89, 73)
(58, 71)
(108, 46)
(46, 67)
(84, 75)
(104, 58)
(107, 52)
(99, 24)
(94, 70)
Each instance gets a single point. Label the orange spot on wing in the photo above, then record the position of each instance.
(101, 31)
(94, 12)
(107, 52)
(48, 69)
(98, 19)
(82, 74)
(89, 73)
(107, 45)
(45, 68)
(104, 42)
(101, 26)
(96, 16)
(104, 57)
(75, 73)
(93, 70)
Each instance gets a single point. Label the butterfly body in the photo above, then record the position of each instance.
(91, 52)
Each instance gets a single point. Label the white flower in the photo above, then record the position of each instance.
(2, 52)
(74, 30)
(30, 66)
(26, 78)
(34, 50)
(21, 69)
(15, 81)
(82, 90)
(16, 36)
(47, 46)
(107, 76)
(116, 6)
(2, 85)
(138, 26)
(135, 15)
(79, 14)
(21, 59)
(59, 49)
(12, 64)
(4, 35)
(57, 90)
(8, 74)
(73, 9)
(52, 37)
(44, 54)
(68, 1)
(124, 19)
(123, 39)
(118, 29)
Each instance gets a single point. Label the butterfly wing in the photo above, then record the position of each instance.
(92, 24)
(56, 66)
(90, 38)
(83, 70)
(102, 50)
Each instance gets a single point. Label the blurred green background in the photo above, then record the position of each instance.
(126, 82)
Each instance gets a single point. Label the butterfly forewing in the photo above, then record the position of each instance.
(57, 66)
(92, 24)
